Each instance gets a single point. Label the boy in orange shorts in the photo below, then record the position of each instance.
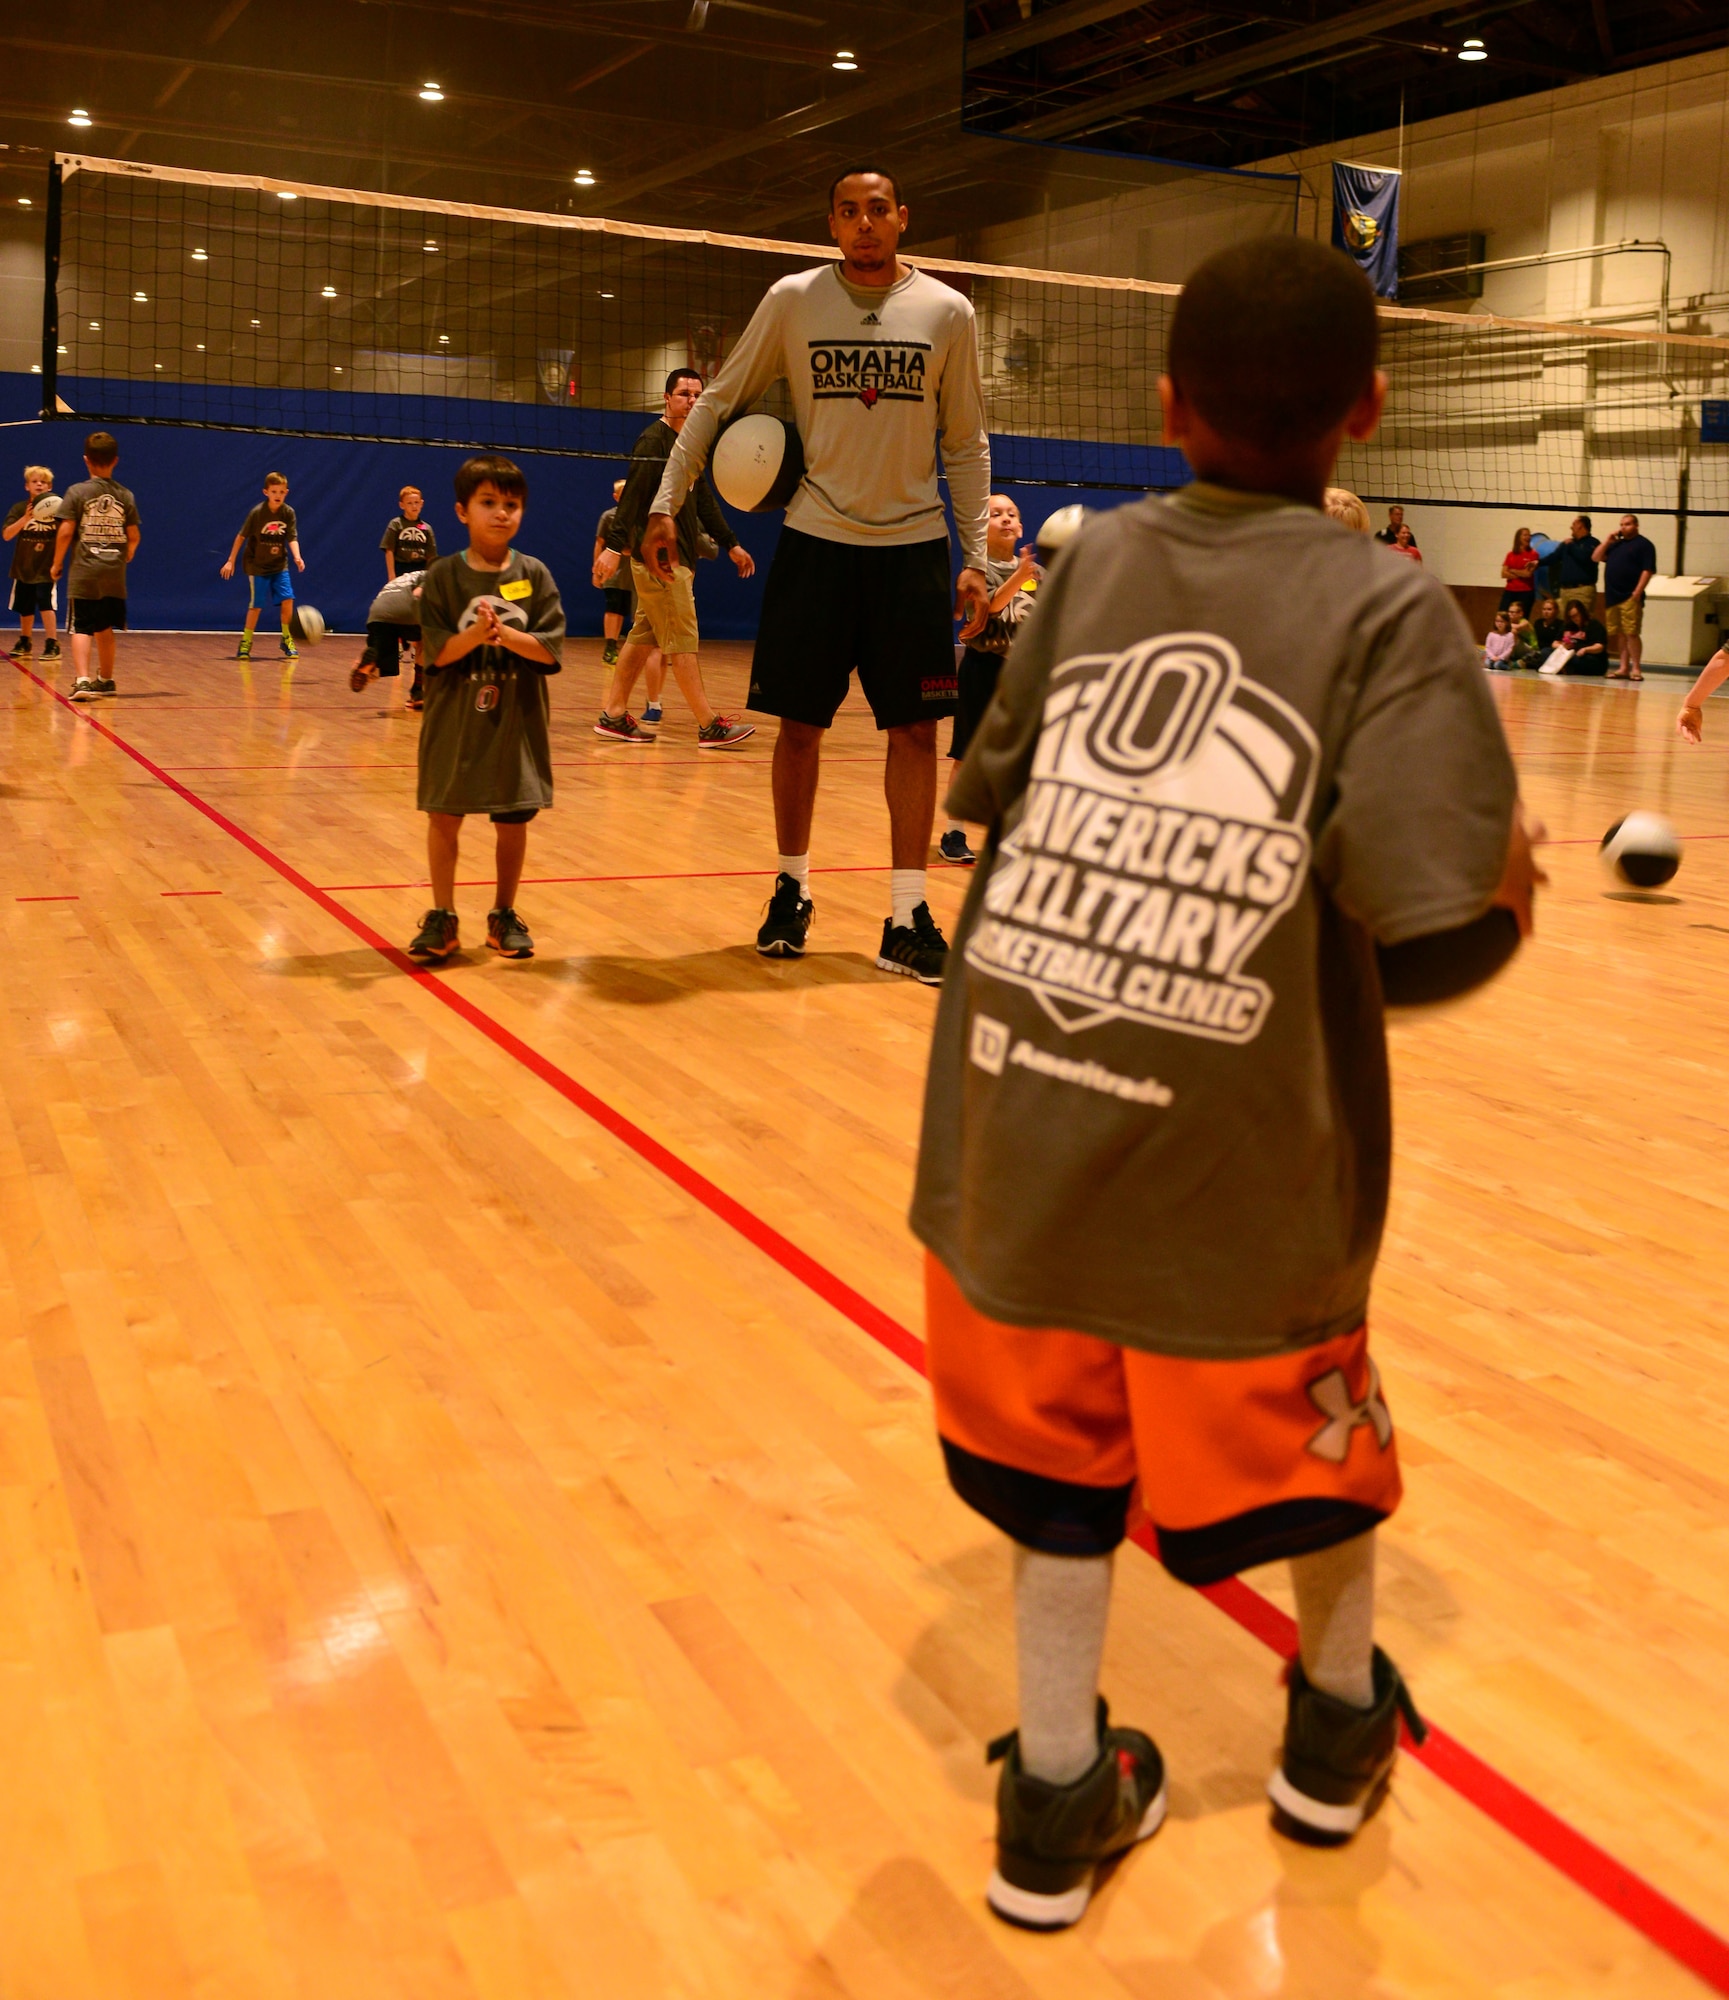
(1157, 1131)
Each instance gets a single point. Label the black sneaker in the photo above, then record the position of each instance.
(85, 689)
(918, 950)
(105, 687)
(1338, 1760)
(436, 937)
(49, 652)
(953, 847)
(621, 728)
(1052, 1839)
(21, 651)
(506, 932)
(609, 653)
(786, 921)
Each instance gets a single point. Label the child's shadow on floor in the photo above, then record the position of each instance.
(622, 981)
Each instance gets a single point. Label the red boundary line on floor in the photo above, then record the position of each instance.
(1589, 1867)
(683, 875)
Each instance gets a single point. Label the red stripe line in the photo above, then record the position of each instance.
(1589, 1867)
(44, 899)
(541, 881)
(192, 892)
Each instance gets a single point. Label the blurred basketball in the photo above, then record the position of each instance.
(757, 464)
(1642, 850)
(1061, 528)
(309, 625)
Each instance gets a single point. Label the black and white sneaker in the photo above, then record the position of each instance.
(1053, 1839)
(21, 648)
(787, 920)
(106, 687)
(953, 847)
(917, 950)
(85, 689)
(436, 939)
(49, 652)
(621, 728)
(1338, 1760)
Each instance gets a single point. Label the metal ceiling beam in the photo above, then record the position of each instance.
(1352, 26)
(886, 89)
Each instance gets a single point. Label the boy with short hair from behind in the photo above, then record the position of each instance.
(410, 546)
(33, 527)
(1157, 1138)
(492, 631)
(270, 535)
(99, 533)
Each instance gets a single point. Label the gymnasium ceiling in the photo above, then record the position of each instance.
(731, 114)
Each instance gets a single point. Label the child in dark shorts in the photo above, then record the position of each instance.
(33, 527)
(1013, 575)
(392, 622)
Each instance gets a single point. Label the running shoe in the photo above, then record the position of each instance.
(245, 650)
(1338, 1760)
(21, 651)
(953, 847)
(651, 711)
(787, 920)
(1053, 1839)
(105, 687)
(620, 728)
(609, 653)
(917, 950)
(49, 652)
(361, 672)
(722, 734)
(290, 651)
(436, 938)
(507, 933)
(85, 689)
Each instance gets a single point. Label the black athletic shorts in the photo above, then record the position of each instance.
(979, 674)
(829, 607)
(618, 602)
(519, 816)
(30, 598)
(98, 614)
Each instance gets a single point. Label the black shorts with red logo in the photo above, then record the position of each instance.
(829, 608)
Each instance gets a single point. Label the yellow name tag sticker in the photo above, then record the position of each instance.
(522, 587)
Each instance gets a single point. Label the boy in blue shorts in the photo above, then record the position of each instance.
(269, 535)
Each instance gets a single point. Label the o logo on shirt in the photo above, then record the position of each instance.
(486, 697)
(1159, 702)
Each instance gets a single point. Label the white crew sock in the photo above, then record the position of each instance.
(1061, 1607)
(798, 867)
(907, 888)
(1336, 1618)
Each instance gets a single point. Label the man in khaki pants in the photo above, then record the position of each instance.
(666, 605)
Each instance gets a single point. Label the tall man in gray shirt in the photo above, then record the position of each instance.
(883, 363)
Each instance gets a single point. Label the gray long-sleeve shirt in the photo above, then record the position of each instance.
(877, 377)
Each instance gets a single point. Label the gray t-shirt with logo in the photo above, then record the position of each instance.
(1158, 1106)
(484, 740)
(100, 510)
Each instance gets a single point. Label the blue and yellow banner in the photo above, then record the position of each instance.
(1366, 222)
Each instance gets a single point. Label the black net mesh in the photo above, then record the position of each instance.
(205, 300)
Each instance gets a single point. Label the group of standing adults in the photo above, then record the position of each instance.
(1540, 588)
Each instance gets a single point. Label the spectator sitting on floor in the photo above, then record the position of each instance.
(1547, 625)
(1524, 638)
(1586, 643)
(1498, 645)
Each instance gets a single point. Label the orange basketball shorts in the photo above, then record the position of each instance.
(1056, 1437)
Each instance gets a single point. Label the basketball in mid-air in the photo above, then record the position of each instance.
(1642, 850)
(1061, 528)
(309, 623)
(757, 464)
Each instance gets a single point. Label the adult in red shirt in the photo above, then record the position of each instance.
(1518, 569)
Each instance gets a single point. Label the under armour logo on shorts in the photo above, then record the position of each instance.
(1331, 1395)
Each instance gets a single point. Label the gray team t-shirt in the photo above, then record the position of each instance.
(484, 741)
(1158, 1106)
(100, 510)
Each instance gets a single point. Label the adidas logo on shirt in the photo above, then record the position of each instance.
(870, 319)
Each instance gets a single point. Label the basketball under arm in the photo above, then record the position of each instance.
(749, 371)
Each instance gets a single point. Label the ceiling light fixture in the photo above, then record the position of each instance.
(143, 298)
(431, 94)
(286, 194)
(201, 256)
(429, 244)
(844, 59)
(606, 295)
(1473, 51)
(585, 177)
(258, 322)
(95, 326)
(329, 292)
(444, 340)
(80, 119)
(159, 364)
(201, 347)
(23, 201)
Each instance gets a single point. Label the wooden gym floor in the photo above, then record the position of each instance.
(444, 1556)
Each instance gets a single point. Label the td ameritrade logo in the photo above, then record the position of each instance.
(870, 371)
(1164, 836)
(993, 1048)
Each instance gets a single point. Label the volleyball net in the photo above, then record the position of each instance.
(281, 307)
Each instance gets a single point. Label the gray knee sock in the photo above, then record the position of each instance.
(1336, 1618)
(1061, 1605)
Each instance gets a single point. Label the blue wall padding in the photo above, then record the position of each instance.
(195, 486)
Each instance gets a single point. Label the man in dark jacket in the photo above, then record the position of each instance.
(666, 606)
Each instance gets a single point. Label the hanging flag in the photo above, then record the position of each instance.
(1366, 222)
